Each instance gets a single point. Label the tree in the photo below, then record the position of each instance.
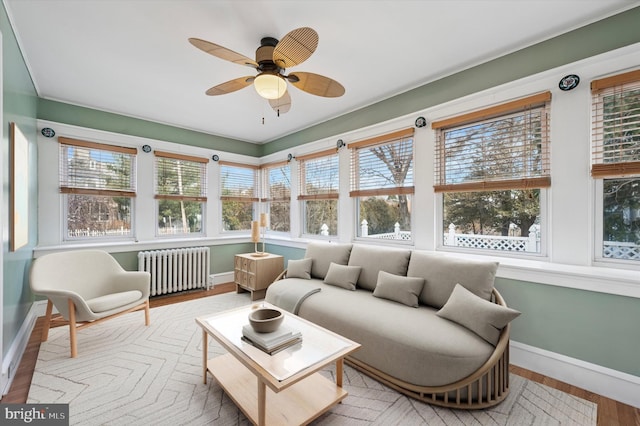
(499, 149)
(398, 158)
(621, 210)
(381, 215)
(179, 183)
(621, 144)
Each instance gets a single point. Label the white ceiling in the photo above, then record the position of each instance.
(132, 57)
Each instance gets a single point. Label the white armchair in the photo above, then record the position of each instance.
(87, 287)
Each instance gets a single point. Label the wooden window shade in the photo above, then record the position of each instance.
(180, 177)
(91, 168)
(238, 182)
(318, 173)
(507, 147)
(176, 156)
(382, 165)
(276, 182)
(616, 126)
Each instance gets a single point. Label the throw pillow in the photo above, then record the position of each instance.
(400, 289)
(299, 269)
(484, 318)
(342, 276)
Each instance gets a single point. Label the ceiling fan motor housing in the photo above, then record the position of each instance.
(264, 54)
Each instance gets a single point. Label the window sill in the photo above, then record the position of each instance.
(600, 279)
(126, 246)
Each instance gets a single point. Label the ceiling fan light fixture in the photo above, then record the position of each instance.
(270, 86)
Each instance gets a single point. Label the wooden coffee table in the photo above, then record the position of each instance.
(280, 389)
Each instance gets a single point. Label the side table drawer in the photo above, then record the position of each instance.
(250, 281)
(240, 277)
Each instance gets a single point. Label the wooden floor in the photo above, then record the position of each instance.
(610, 412)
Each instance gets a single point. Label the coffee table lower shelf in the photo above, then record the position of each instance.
(297, 404)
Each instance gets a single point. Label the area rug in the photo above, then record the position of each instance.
(129, 374)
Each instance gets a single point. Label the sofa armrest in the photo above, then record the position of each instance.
(282, 276)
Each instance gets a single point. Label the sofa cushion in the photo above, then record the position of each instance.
(299, 268)
(342, 276)
(113, 301)
(442, 273)
(484, 318)
(400, 289)
(376, 259)
(325, 253)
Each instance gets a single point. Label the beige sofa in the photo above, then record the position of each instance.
(430, 326)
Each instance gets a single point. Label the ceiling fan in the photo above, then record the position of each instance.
(273, 58)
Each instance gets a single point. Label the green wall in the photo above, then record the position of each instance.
(595, 327)
(221, 257)
(20, 106)
(85, 117)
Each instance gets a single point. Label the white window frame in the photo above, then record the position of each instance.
(64, 229)
(254, 199)
(265, 192)
(409, 191)
(201, 199)
(503, 110)
(301, 193)
(607, 84)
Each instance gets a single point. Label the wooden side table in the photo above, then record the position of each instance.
(254, 274)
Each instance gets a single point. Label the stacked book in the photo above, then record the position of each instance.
(272, 342)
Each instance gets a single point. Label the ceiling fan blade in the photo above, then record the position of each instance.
(295, 47)
(282, 105)
(222, 52)
(316, 84)
(230, 86)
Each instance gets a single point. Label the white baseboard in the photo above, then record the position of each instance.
(221, 278)
(12, 359)
(604, 381)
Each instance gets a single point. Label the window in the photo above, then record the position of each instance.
(276, 190)
(382, 185)
(319, 176)
(238, 196)
(616, 164)
(98, 183)
(492, 168)
(181, 188)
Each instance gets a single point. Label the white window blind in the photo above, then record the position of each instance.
(318, 175)
(238, 182)
(90, 168)
(382, 165)
(276, 182)
(498, 148)
(180, 177)
(616, 126)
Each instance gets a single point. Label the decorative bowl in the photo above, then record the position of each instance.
(265, 320)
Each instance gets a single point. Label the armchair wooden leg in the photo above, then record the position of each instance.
(72, 329)
(47, 321)
(147, 319)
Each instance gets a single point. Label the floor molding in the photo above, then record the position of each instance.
(12, 359)
(221, 278)
(604, 381)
